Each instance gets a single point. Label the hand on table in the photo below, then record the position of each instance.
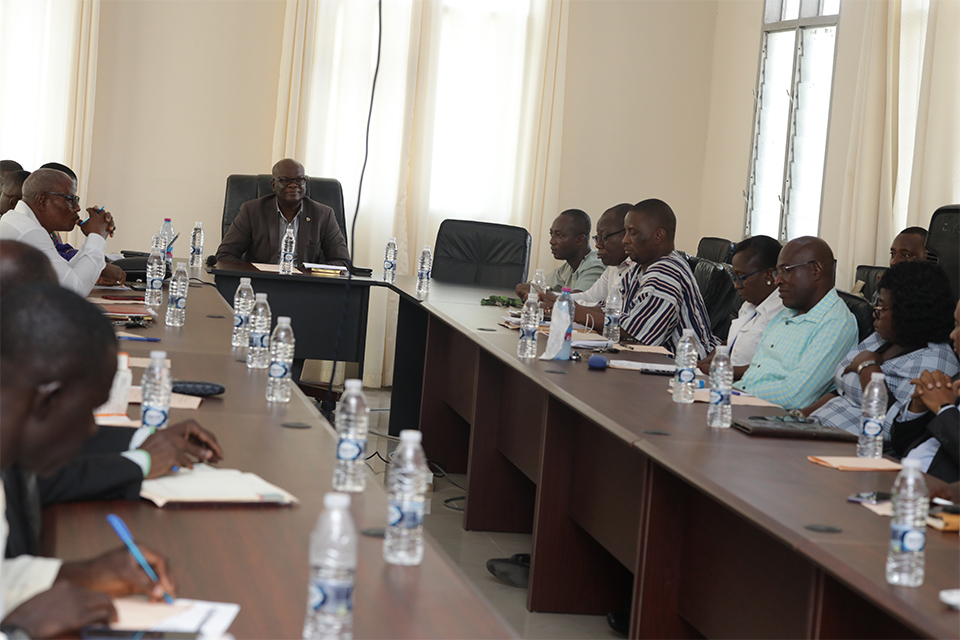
(62, 609)
(932, 390)
(180, 445)
(112, 275)
(117, 574)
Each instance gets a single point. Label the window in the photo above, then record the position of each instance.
(794, 84)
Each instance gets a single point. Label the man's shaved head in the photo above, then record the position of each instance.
(45, 180)
(21, 264)
(284, 165)
(805, 272)
(659, 214)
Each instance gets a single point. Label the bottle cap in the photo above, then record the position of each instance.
(198, 224)
(244, 280)
(539, 271)
(689, 332)
(123, 360)
(723, 349)
(567, 289)
(283, 320)
(158, 355)
(335, 500)
(166, 219)
(426, 247)
(393, 240)
(261, 296)
(181, 265)
(411, 436)
(910, 463)
(877, 377)
(353, 385)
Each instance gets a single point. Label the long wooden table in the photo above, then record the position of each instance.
(257, 556)
(632, 498)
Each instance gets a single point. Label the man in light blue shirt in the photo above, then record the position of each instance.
(800, 348)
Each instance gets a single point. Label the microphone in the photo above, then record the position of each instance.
(597, 361)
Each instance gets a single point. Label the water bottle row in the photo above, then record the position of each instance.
(424, 266)
(252, 320)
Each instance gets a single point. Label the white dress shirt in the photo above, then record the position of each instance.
(748, 326)
(598, 292)
(80, 273)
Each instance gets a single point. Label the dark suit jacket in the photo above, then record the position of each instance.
(945, 427)
(254, 235)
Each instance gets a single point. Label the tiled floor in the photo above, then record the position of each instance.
(471, 549)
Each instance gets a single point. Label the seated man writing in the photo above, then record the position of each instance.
(570, 242)
(258, 229)
(802, 345)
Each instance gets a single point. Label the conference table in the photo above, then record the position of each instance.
(257, 556)
(632, 499)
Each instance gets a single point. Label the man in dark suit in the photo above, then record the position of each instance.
(259, 227)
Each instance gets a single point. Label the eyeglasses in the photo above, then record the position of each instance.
(73, 200)
(738, 280)
(878, 310)
(600, 240)
(784, 271)
(285, 181)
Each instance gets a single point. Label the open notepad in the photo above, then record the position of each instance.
(210, 619)
(211, 485)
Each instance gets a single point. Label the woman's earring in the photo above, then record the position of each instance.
(769, 282)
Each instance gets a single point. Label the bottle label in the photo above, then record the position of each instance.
(155, 417)
(389, 265)
(240, 320)
(406, 515)
(872, 427)
(904, 538)
(423, 274)
(156, 284)
(331, 597)
(611, 320)
(259, 340)
(177, 302)
(528, 333)
(287, 256)
(279, 369)
(351, 449)
(720, 397)
(196, 250)
(686, 375)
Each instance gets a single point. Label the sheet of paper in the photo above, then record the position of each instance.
(738, 398)
(271, 268)
(142, 363)
(642, 348)
(117, 421)
(208, 484)
(177, 400)
(113, 302)
(853, 463)
(210, 619)
(886, 509)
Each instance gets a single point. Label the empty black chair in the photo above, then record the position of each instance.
(943, 240)
(719, 294)
(242, 188)
(716, 249)
(468, 252)
(861, 310)
(869, 275)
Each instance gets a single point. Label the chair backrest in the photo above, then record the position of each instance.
(243, 188)
(716, 249)
(719, 295)
(943, 239)
(861, 310)
(869, 275)
(469, 252)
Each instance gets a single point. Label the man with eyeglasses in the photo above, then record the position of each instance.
(258, 229)
(50, 204)
(800, 348)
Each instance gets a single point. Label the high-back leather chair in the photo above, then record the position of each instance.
(869, 275)
(719, 295)
(242, 188)
(715, 249)
(943, 239)
(468, 252)
(861, 310)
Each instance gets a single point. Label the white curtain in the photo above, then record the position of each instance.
(903, 157)
(466, 121)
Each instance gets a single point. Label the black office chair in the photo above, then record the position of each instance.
(943, 240)
(869, 275)
(242, 188)
(716, 249)
(861, 310)
(468, 252)
(719, 295)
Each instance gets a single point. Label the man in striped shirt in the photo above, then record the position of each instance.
(660, 296)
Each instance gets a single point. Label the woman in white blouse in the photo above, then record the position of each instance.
(754, 261)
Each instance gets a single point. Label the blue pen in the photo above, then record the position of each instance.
(138, 338)
(124, 533)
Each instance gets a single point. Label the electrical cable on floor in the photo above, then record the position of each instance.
(448, 503)
(385, 436)
(443, 474)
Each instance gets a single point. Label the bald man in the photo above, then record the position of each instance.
(256, 232)
(800, 348)
(50, 204)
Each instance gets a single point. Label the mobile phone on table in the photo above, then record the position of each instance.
(870, 497)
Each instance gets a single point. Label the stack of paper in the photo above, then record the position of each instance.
(208, 619)
(853, 463)
(211, 485)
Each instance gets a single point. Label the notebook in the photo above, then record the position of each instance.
(770, 427)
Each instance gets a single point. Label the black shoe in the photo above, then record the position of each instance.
(515, 570)
(619, 620)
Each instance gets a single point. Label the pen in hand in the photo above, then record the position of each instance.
(120, 527)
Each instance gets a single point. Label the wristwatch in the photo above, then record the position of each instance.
(865, 364)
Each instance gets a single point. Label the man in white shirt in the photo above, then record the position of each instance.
(50, 204)
(754, 261)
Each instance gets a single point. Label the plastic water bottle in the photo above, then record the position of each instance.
(720, 414)
(540, 280)
(406, 487)
(527, 348)
(166, 235)
(288, 251)
(353, 418)
(424, 267)
(282, 344)
(908, 528)
(873, 412)
(390, 261)
(196, 245)
(686, 374)
(333, 570)
(258, 344)
(156, 270)
(177, 296)
(156, 385)
(612, 307)
(242, 304)
(119, 390)
(564, 301)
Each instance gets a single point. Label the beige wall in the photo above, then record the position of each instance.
(186, 94)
